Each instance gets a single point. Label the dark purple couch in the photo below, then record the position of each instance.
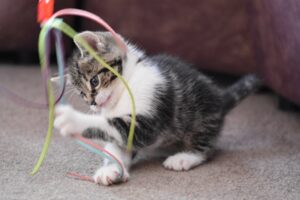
(18, 25)
(235, 37)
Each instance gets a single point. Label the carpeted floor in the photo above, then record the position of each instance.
(258, 156)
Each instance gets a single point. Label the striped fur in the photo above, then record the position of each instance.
(238, 91)
(178, 108)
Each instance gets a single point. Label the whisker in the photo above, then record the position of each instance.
(69, 92)
(70, 97)
(70, 87)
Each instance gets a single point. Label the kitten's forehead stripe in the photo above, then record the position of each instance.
(80, 73)
(104, 70)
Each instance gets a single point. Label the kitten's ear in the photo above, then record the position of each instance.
(56, 79)
(90, 37)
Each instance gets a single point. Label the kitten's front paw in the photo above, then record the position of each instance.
(67, 120)
(110, 174)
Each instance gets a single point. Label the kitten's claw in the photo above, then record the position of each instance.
(67, 120)
(108, 175)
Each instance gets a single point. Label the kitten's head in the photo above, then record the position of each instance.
(94, 82)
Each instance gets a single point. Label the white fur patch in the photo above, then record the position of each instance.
(184, 161)
(142, 80)
(109, 173)
(69, 121)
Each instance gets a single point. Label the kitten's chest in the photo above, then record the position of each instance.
(144, 85)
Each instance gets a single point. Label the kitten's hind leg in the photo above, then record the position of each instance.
(197, 146)
(109, 173)
(184, 161)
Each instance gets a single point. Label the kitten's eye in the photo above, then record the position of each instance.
(94, 81)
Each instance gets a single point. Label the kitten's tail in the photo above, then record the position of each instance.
(238, 91)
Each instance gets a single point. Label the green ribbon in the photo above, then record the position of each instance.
(65, 28)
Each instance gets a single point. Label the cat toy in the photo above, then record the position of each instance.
(51, 22)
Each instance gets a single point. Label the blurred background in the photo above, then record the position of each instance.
(229, 37)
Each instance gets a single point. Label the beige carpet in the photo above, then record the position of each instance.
(258, 156)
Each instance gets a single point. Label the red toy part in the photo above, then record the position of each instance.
(45, 10)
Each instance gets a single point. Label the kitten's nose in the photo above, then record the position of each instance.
(93, 103)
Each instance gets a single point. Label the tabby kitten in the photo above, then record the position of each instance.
(179, 110)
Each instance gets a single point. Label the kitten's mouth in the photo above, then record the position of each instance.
(105, 102)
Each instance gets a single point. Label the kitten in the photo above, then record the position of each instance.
(178, 110)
